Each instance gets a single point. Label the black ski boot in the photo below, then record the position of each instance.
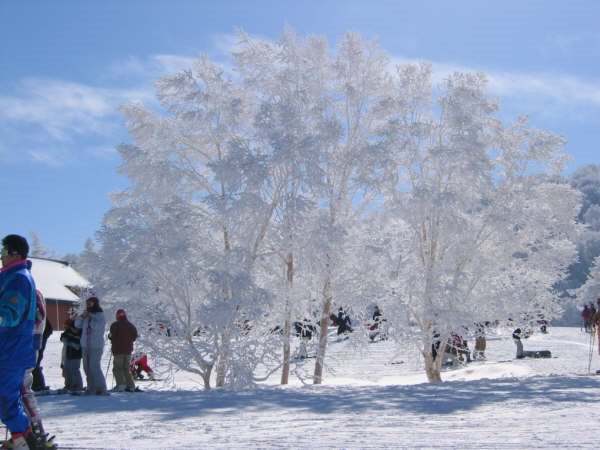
(40, 440)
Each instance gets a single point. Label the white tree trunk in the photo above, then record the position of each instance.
(433, 366)
(324, 325)
(222, 363)
(206, 378)
(285, 371)
(287, 327)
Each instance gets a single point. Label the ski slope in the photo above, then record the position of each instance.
(374, 396)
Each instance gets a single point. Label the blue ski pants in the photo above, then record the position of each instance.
(12, 412)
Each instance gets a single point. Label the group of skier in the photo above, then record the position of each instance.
(22, 321)
(24, 329)
(306, 329)
(83, 341)
(590, 315)
(455, 350)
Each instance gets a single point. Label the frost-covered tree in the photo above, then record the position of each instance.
(186, 233)
(470, 234)
(288, 77)
(359, 83)
(189, 297)
(38, 249)
(317, 118)
(590, 290)
(309, 173)
(586, 179)
(87, 262)
(584, 275)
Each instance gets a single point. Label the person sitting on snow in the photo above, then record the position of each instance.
(376, 325)
(139, 364)
(342, 321)
(459, 348)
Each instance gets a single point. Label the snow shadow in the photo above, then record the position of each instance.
(445, 398)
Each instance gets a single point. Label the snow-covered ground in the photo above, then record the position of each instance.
(373, 396)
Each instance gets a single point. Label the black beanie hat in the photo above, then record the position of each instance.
(14, 244)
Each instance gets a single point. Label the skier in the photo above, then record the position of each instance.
(436, 343)
(342, 321)
(29, 401)
(480, 342)
(304, 330)
(17, 353)
(39, 382)
(122, 335)
(543, 323)
(139, 364)
(459, 348)
(71, 355)
(517, 333)
(376, 327)
(586, 316)
(92, 324)
(595, 325)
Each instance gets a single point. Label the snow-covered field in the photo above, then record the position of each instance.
(373, 396)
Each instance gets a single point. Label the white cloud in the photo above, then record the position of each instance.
(48, 156)
(62, 108)
(559, 88)
(550, 92)
(58, 112)
(130, 67)
(55, 113)
(44, 115)
(102, 152)
(225, 43)
(567, 42)
(149, 69)
(170, 64)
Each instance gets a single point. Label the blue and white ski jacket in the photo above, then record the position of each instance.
(17, 316)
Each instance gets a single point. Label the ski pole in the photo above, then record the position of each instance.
(591, 349)
(590, 352)
(108, 366)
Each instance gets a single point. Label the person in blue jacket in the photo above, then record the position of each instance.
(17, 353)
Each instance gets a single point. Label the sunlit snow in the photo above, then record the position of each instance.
(374, 396)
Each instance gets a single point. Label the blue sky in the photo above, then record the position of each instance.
(67, 65)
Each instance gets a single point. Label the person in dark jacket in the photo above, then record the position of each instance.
(39, 382)
(517, 335)
(586, 315)
(342, 321)
(122, 336)
(376, 326)
(71, 356)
